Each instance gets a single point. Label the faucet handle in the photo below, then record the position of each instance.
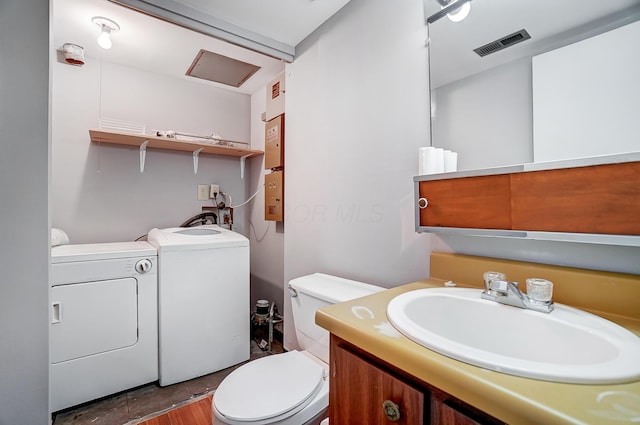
(540, 291)
(489, 277)
(500, 286)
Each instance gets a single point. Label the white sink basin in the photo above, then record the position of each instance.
(566, 345)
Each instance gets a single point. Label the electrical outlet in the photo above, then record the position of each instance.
(214, 191)
(203, 192)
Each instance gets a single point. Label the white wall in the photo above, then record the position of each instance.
(485, 133)
(98, 192)
(586, 97)
(24, 212)
(357, 110)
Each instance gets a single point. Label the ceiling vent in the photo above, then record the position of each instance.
(503, 43)
(221, 69)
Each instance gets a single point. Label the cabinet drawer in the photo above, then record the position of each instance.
(449, 415)
(448, 412)
(359, 389)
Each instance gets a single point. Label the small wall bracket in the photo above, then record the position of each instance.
(196, 153)
(143, 155)
(243, 159)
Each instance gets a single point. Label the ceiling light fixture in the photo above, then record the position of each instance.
(456, 10)
(107, 26)
(460, 13)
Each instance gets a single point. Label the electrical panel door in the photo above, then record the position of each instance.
(274, 138)
(274, 196)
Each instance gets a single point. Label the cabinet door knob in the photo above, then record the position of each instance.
(391, 410)
(423, 203)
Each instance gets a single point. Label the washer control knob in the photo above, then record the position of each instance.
(143, 266)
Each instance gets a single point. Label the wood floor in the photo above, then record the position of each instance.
(195, 413)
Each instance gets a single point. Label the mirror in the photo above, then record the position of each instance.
(495, 110)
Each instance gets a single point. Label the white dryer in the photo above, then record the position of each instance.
(203, 300)
(104, 333)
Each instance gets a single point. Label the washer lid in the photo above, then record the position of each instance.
(192, 238)
(269, 387)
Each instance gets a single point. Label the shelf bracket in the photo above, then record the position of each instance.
(143, 154)
(195, 160)
(242, 162)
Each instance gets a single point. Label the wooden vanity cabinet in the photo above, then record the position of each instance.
(359, 389)
(364, 390)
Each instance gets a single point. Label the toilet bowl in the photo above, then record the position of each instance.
(291, 388)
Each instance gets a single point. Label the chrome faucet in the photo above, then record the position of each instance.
(509, 293)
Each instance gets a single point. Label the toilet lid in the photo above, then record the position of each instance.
(269, 387)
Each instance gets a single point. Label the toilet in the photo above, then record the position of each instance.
(291, 388)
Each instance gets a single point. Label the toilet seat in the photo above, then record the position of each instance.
(269, 389)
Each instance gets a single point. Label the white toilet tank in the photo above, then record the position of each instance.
(309, 293)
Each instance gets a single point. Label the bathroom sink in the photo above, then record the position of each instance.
(566, 345)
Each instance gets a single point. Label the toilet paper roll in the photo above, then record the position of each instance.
(425, 157)
(439, 160)
(450, 161)
(430, 160)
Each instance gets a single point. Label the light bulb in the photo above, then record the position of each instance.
(107, 26)
(104, 39)
(460, 13)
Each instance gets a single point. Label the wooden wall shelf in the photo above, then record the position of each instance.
(144, 141)
(118, 138)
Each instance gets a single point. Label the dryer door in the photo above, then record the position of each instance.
(93, 317)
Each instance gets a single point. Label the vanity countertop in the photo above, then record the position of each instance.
(363, 322)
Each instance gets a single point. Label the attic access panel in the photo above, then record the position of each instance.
(221, 69)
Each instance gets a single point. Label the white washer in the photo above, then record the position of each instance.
(104, 333)
(203, 300)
